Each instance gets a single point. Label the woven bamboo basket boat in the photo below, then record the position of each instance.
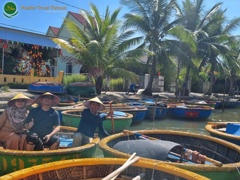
(226, 153)
(218, 129)
(13, 160)
(73, 117)
(98, 168)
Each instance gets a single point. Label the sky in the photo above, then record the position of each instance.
(37, 15)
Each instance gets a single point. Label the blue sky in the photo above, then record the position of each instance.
(38, 15)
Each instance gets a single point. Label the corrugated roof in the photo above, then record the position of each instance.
(27, 37)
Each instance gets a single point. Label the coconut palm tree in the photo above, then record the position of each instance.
(194, 19)
(211, 36)
(153, 19)
(215, 43)
(101, 48)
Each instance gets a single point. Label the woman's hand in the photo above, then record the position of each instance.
(30, 124)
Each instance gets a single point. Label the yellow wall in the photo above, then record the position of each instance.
(6, 79)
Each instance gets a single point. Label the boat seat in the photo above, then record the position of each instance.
(232, 128)
(154, 149)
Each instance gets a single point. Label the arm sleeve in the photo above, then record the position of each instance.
(57, 118)
(102, 132)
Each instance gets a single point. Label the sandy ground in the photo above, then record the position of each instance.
(108, 95)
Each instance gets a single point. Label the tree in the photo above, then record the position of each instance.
(153, 19)
(100, 48)
(193, 19)
(215, 43)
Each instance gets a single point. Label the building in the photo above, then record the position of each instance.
(63, 33)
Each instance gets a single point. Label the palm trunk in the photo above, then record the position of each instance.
(99, 83)
(148, 90)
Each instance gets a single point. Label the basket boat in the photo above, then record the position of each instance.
(138, 112)
(83, 89)
(42, 87)
(73, 117)
(190, 111)
(217, 149)
(155, 110)
(13, 160)
(219, 130)
(98, 168)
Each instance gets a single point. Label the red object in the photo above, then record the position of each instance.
(5, 46)
(159, 73)
(192, 114)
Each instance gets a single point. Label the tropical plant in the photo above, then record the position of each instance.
(153, 19)
(216, 42)
(100, 48)
(210, 34)
(231, 62)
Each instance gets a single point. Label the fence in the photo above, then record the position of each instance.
(18, 79)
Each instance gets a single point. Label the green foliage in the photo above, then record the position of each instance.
(117, 84)
(68, 79)
(18, 86)
(5, 88)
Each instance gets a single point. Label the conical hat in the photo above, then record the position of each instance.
(55, 101)
(97, 100)
(20, 96)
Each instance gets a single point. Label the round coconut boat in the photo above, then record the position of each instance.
(220, 130)
(72, 118)
(225, 156)
(13, 160)
(138, 112)
(102, 168)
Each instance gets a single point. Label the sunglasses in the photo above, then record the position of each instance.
(47, 97)
(20, 100)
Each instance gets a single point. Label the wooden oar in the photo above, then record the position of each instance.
(112, 121)
(215, 162)
(115, 173)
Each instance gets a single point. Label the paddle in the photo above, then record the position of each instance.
(215, 162)
(115, 173)
(113, 129)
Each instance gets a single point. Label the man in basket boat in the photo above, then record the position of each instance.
(91, 120)
(12, 135)
(43, 123)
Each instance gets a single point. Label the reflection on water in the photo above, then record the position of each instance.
(195, 126)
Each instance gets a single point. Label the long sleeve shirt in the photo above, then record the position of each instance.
(90, 122)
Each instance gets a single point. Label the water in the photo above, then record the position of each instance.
(194, 126)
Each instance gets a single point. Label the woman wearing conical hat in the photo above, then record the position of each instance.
(12, 122)
(90, 121)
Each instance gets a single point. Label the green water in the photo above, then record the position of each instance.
(194, 126)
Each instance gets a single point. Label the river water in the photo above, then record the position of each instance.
(194, 126)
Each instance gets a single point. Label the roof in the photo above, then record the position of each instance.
(27, 37)
(54, 30)
(79, 17)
